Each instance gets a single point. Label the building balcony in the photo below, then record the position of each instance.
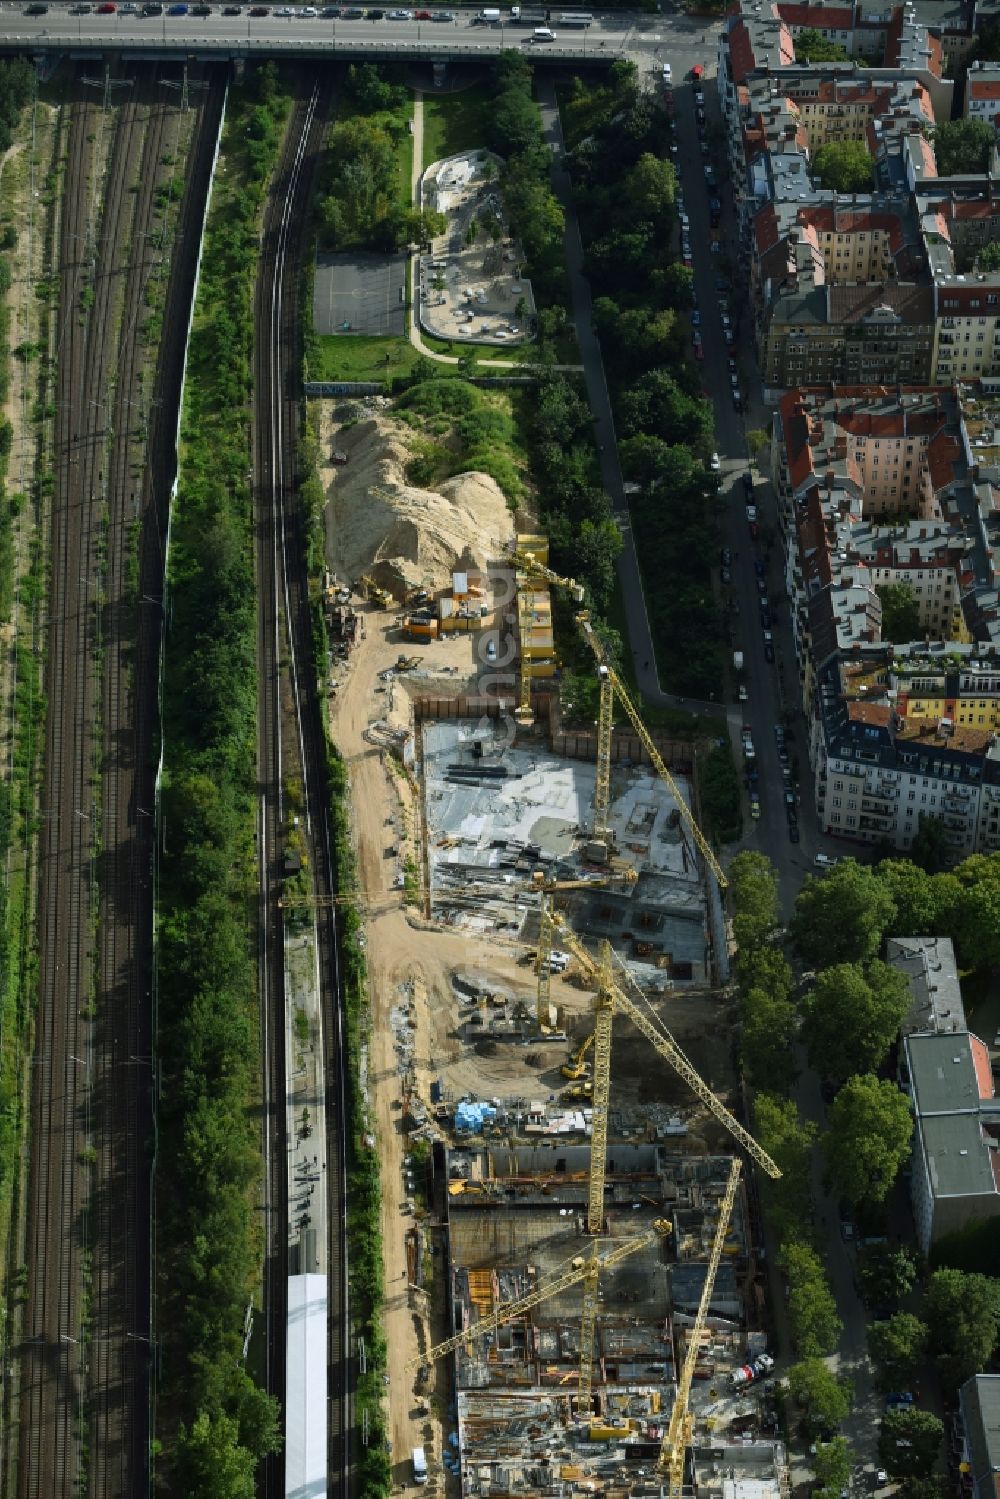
(868, 822)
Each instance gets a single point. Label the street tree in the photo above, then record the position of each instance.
(843, 166)
(868, 1139)
(755, 898)
(769, 1022)
(909, 1442)
(812, 1311)
(898, 1348)
(888, 1274)
(817, 1390)
(851, 1018)
(900, 612)
(788, 1140)
(651, 187)
(832, 1466)
(962, 1313)
(764, 967)
(962, 147)
(841, 918)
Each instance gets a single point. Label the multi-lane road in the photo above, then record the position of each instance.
(453, 34)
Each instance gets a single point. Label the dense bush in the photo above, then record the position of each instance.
(216, 1423)
(534, 213)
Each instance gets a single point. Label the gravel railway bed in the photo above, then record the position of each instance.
(91, 1106)
(291, 743)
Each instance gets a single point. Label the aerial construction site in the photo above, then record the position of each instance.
(574, 1295)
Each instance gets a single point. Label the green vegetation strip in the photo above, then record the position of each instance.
(214, 1422)
(24, 607)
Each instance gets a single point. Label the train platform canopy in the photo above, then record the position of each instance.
(305, 1388)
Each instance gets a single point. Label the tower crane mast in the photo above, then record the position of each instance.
(677, 1438)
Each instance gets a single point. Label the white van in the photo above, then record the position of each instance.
(543, 34)
(419, 1465)
(826, 861)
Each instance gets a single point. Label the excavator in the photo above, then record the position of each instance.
(577, 1066)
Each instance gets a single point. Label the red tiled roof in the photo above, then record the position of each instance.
(741, 58)
(984, 1071)
(943, 452)
(879, 714)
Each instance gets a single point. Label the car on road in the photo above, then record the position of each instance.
(737, 401)
(285, 10)
(715, 463)
(754, 805)
(762, 588)
(232, 10)
(726, 557)
(83, 10)
(108, 8)
(696, 318)
(742, 693)
(307, 12)
(726, 575)
(899, 1397)
(668, 73)
(446, 15)
(826, 861)
(699, 349)
(36, 10)
(202, 10)
(421, 15)
(758, 567)
(260, 10)
(400, 15)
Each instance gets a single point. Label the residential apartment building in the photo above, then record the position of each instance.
(879, 488)
(982, 92)
(978, 1436)
(931, 972)
(955, 1180)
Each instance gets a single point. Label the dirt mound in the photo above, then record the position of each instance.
(379, 524)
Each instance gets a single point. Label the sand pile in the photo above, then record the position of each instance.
(379, 524)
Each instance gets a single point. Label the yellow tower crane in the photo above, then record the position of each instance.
(583, 1268)
(543, 953)
(612, 687)
(612, 998)
(677, 1437)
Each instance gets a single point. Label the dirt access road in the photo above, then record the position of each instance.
(401, 947)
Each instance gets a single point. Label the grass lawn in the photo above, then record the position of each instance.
(360, 356)
(453, 123)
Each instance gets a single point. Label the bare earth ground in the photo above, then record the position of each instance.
(401, 946)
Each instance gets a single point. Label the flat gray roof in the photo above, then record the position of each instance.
(928, 965)
(958, 1159)
(980, 1398)
(942, 1073)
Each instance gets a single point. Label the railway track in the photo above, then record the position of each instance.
(84, 1385)
(291, 742)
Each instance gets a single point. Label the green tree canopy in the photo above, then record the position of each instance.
(963, 1315)
(888, 1274)
(769, 1024)
(211, 1463)
(841, 918)
(909, 1443)
(755, 899)
(852, 1016)
(843, 166)
(868, 1140)
(788, 1140)
(811, 46)
(962, 147)
(898, 1349)
(925, 904)
(832, 1466)
(900, 612)
(977, 921)
(825, 1398)
(929, 848)
(812, 1311)
(988, 257)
